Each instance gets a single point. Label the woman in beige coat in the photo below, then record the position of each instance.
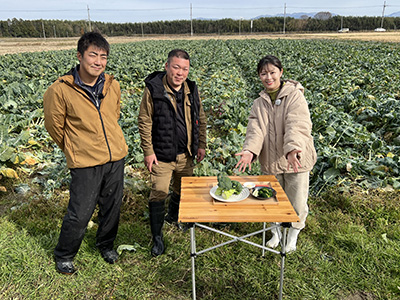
(279, 135)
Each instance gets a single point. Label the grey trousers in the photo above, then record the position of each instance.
(296, 187)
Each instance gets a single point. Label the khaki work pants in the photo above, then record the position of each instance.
(296, 187)
(162, 174)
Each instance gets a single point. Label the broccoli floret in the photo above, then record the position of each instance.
(224, 182)
(227, 187)
(218, 191)
(237, 186)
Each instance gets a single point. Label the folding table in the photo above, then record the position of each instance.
(197, 206)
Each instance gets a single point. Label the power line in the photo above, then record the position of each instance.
(198, 7)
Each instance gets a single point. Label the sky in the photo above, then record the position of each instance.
(125, 11)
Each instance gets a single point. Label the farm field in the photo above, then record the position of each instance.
(350, 247)
(18, 45)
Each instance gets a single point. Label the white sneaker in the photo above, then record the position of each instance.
(292, 239)
(274, 241)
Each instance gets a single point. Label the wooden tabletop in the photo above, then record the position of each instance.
(197, 205)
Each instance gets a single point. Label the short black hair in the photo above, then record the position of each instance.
(269, 59)
(92, 38)
(178, 53)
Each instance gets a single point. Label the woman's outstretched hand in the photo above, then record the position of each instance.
(245, 160)
(293, 160)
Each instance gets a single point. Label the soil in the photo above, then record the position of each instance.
(18, 45)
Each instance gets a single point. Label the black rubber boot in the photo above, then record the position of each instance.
(157, 211)
(173, 208)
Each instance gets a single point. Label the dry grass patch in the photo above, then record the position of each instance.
(18, 45)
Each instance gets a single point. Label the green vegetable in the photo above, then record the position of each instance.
(265, 193)
(218, 191)
(228, 193)
(224, 182)
(237, 186)
(227, 187)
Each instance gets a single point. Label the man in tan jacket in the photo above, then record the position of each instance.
(172, 126)
(81, 112)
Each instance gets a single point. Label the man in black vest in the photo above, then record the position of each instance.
(172, 126)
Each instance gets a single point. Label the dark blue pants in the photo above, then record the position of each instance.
(102, 185)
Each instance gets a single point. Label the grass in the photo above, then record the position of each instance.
(350, 249)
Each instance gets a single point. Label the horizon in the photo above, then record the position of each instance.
(293, 15)
(153, 11)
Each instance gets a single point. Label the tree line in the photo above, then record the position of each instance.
(63, 28)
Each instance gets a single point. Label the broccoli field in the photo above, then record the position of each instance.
(352, 89)
(350, 247)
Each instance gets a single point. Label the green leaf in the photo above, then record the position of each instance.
(377, 144)
(6, 153)
(125, 247)
(330, 131)
(331, 174)
(396, 184)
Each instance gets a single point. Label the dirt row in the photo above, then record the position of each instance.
(18, 45)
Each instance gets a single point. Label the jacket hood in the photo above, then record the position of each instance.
(70, 78)
(289, 87)
(155, 77)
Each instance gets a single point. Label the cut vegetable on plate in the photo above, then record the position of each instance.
(227, 187)
(263, 192)
(233, 198)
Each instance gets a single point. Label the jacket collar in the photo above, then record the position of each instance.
(78, 80)
(160, 77)
(287, 88)
(186, 89)
(70, 78)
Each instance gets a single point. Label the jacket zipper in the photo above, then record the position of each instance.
(168, 100)
(96, 97)
(96, 103)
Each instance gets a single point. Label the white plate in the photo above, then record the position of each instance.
(234, 198)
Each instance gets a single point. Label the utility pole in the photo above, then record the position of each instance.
(284, 19)
(383, 13)
(142, 29)
(191, 20)
(54, 28)
(341, 23)
(44, 32)
(240, 25)
(90, 25)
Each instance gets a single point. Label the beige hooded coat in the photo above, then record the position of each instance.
(274, 130)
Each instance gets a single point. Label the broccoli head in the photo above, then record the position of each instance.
(224, 182)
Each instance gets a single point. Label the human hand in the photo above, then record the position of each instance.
(245, 160)
(149, 161)
(293, 160)
(201, 153)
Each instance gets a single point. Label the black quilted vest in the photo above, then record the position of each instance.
(164, 138)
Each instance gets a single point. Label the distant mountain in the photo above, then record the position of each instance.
(293, 15)
(298, 15)
(206, 19)
(395, 14)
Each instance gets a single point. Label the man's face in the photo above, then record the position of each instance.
(92, 63)
(177, 71)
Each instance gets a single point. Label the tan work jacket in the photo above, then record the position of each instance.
(87, 136)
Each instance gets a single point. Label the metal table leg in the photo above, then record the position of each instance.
(263, 238)
(193, 257)
(283, 256)
(194, 253)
